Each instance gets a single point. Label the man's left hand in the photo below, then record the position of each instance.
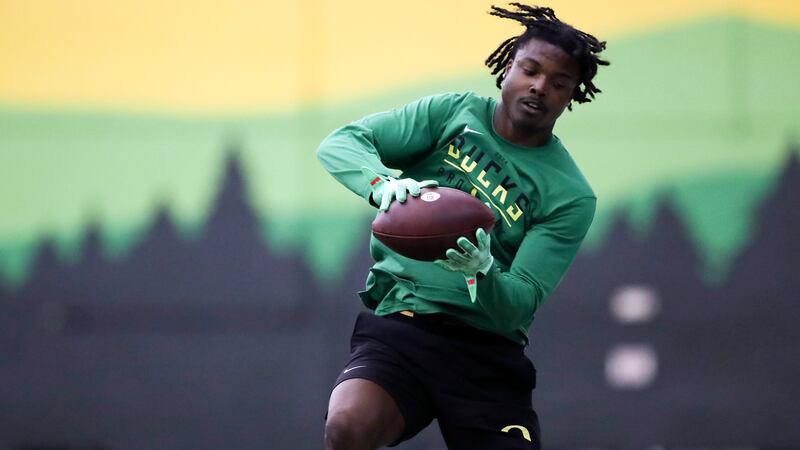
(470, 261)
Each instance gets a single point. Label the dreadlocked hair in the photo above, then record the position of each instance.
(542, 23)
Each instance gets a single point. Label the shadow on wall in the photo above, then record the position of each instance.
(217, 343)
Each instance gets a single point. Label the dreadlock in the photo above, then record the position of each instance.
(542, 23)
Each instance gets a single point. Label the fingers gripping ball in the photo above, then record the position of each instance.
(386, 189)
(425, 227)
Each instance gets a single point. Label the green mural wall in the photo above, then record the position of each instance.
(704, 112)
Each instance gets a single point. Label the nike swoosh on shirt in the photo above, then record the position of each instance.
(351, 368)
(467, 129)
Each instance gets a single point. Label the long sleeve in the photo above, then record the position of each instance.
(511, 297)
(384, 140)
(449, 138)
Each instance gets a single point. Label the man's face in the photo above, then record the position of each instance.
(538, 85)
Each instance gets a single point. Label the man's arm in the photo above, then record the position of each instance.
(384, 140)
(510, 298)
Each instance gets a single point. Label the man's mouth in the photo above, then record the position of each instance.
(533, 105)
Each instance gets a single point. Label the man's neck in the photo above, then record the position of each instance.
(526, 137)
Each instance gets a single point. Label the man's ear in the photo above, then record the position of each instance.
(507, 68)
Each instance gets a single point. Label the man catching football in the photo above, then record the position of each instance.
(434, 348)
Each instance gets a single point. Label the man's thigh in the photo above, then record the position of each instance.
(365, 409)
(386, 375)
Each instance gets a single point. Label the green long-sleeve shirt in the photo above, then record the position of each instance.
(542, 202)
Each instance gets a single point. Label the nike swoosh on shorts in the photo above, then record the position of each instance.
(352, 368)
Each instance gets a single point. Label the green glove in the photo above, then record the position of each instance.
(470, 261)
(386, 189)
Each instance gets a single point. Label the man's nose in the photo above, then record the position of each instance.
(537, 84)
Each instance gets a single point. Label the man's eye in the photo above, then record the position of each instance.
(528, 72)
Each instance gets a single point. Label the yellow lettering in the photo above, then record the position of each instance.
(453, 151)
(474, 192)
(502, 191)
(514, 214)
(468, 168)
(525, 433)
(483, 181)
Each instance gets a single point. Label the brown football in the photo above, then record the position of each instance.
(425, 227)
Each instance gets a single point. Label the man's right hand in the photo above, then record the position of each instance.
(385, 189)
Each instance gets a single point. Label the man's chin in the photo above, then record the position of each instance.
(529, 125)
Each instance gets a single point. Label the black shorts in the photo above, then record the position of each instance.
(477, 384)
